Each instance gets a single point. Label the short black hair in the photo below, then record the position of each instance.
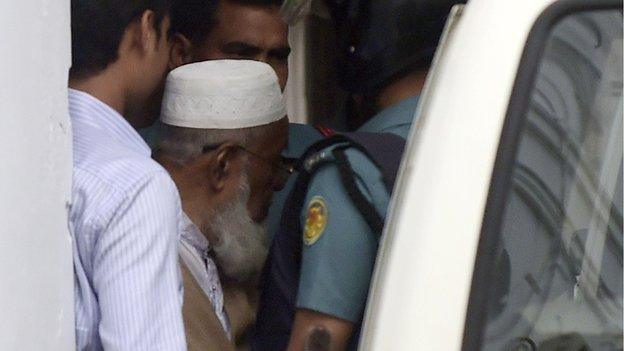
(97, 27)
(195, 19)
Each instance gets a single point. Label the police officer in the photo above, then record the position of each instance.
(318, 272)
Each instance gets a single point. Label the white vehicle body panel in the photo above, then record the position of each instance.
(36, 271)
(424, 269)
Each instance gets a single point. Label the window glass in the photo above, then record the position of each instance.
(557, 281)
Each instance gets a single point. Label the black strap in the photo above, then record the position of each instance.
(347, 176)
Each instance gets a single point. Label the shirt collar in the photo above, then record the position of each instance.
(401, 112)
(88, 109)
(192, 235)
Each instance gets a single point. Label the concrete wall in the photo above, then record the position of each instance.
(36, 289)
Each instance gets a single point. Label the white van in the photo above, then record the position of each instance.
(505, 232)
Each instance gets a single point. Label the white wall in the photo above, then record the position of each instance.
(36, 289)
(295, 93)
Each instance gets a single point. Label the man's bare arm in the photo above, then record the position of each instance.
(314, 331)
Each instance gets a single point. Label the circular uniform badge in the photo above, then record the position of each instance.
(316, 220)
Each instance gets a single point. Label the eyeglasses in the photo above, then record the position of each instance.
(284, 167)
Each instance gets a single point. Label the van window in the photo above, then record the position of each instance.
(556, 281)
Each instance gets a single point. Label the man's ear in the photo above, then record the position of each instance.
(180, 53)
(224, 166)
(146, 35)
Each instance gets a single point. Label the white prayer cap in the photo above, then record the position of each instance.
(222, 94)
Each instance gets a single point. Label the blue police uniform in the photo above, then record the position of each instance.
(339, 247)
(337, 265)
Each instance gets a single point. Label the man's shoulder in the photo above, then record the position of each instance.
(118, 170)
(363, 155)
(111, 162)
(107, 175)
(327, 183)
(396, 119)
(363, 167)
(327, 190)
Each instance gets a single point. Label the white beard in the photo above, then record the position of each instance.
(241, 247)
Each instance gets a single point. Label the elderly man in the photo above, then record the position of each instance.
(224, 128)
(238, 29)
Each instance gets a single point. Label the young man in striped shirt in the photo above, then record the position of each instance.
(125, 207)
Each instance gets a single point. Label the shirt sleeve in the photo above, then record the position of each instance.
(136, 273)
(336, 269)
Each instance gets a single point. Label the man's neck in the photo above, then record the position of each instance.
(402, 89)
(106, 87)
(397, 91)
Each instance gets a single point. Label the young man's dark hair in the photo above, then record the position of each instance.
(98, 27)
(196, 18)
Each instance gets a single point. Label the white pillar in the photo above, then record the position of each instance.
(36, 274)
(295, 93)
